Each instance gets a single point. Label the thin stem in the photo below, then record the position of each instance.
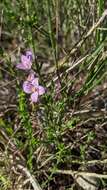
(52, 38)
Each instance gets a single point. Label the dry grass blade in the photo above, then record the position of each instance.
(76, 173)
(32, 180)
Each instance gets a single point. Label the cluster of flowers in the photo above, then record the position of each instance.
(31, 85)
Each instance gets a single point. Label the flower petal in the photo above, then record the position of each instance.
(41, 90)
(27, 87)
(24, 59)
(29, 65)
(26, 62)
(34, 96)
(29, 55)
(21, 66)
(31, 76)
(35, 82)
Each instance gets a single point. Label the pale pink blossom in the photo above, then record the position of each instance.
(26, 61)
(31, 86)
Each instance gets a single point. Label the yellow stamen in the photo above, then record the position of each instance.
(33, 89)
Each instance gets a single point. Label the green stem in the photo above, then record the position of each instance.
(52, 38)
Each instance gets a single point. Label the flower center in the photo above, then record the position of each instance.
(34, 89)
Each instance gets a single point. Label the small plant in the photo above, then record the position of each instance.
(5, 182)
(59, 76)
(31, 85)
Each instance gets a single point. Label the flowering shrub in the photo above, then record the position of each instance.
(31, 85)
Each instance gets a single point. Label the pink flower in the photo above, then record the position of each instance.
(31, 86)
(26, 61)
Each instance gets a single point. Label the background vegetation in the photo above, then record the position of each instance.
(49, 145)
